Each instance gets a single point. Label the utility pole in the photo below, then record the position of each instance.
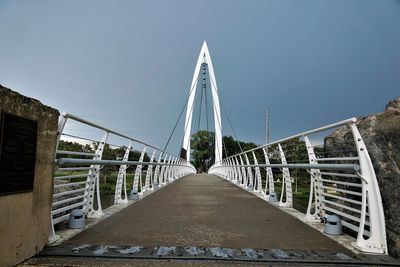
(267, 126)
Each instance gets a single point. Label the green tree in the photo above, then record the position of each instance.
(73, 146)
(202, 150)
(230, 146)
(110, 154)
(117, 153)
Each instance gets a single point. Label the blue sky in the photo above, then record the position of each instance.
(128, 64)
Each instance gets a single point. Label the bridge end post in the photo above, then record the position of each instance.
(376, 242)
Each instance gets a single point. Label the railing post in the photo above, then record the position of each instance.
(137, 180)
(172, 172)
(239, 181)
(269, 181)
(225, 169)
(167, 169)
(258, 181)
(244, 182)
(164, 168)
(286, 183)
(249, 184)
(167, 174)
(171, 169)
(177, 169)
(371, 197)
(316, 186)
(149, 173)
(92, 183)
(121, 179)
(222, 169)
(61, 124)
(232, 169)
(179, 162)
(156, 177)
(229, 169)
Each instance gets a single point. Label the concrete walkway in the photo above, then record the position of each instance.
(205, 210)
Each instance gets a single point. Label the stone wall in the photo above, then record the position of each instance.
(25, 217)
(381, 134)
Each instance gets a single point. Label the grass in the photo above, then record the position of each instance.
(300, 198)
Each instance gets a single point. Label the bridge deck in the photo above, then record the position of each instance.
(204, 210)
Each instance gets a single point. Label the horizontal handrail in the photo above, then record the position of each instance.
(73, 169)
(65, 152)
(56, 195)
(72, 161)
(346, 175)
(74, 176)
(320, 129)
(76, 118)
(342, 167)
(338, 159)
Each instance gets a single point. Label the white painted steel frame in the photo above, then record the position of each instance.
(121, 179)
(81, 194)
(366, 217)
(269, 182)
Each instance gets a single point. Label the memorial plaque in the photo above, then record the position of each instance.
(18, 138)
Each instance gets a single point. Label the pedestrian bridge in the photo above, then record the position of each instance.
(233, 212)
(243, 210)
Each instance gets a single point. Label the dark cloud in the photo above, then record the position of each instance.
(129, 64)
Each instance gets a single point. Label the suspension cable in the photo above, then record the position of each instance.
(180, 115)
(209, 151)
(201, 105)
(229, 121)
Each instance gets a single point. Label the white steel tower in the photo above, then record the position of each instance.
(204, 58)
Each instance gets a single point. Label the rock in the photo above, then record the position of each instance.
(381, 134)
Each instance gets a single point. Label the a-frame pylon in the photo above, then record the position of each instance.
(204, 57)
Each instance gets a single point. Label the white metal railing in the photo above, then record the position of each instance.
(76, 180)
(343, 184)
